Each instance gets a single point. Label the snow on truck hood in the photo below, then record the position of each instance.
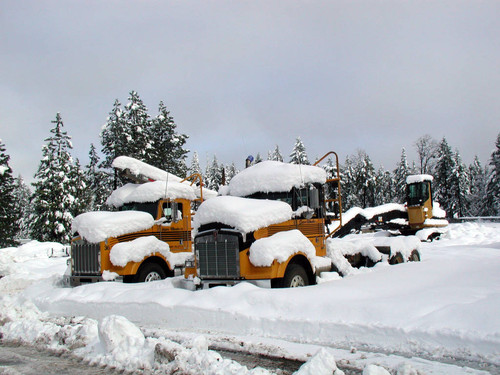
(150, 192)
(243, 214)
(98, 226)
(274, 176)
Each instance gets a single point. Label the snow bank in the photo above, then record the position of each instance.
(323, 363)
(280, 247)
(338, 248)
(418, 178)
(98, 226)
(274, 176)
(136, 250)
(139, 168)
(150, 192)
(243, 214)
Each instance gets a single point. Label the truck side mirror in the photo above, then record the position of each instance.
(314, 198)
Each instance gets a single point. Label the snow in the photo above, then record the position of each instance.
(243, 214)
(136, 250)
(412, 179)
(3, 169)
(280, 247)
(150, 192)
(437, 316)
(98, 226)
(371, 212)
(139, 168)
(274, 176)
(437, 211)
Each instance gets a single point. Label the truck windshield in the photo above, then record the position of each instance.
(417, 193)
(149, 207)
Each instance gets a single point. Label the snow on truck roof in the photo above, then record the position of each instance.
(274, 176)
(139, 168)
(418, 178)
(243, 214)
(150, 192)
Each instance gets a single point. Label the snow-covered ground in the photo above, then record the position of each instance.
(437, 316)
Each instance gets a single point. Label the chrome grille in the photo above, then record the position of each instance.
(86, 259)
(218, 255)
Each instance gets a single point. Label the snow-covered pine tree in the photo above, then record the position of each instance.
(114, 143)
(427, 150)
(231, 171)
(298, 154)
(9, 211)
(443, 183)
(213, 175)
(166, 152)
(98, 184)
(478, 182)
(56, 190)
(258, 158)
(275, 154)
(138, 134)
(494, 180)
(347, 185)
(195, 165)
(365, 180)
(23, 195)
(400, 174)
(459, 185)
(384, 187)
(114, 136)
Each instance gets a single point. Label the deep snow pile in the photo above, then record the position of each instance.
(136, 250)
(273, 176)
(150, 192)
(243, 214)
(99, 225)
(446, 306)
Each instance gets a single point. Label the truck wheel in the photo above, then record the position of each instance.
(414, 256)
(396, 259)
(295, 276)
(150, 272)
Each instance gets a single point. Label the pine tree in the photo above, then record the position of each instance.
(166, 151)
(98, 183)
(385, 187)
(275, 154)
(494, 180)
(213, 175)
(9, 212)
(195, 165)
(459, 185)
(478, 193)
(114, 136)
(22, 196)
(137, 124)
(400, 173)
(56, 197)
(348, 186)
(298, 154)
(231, 171)
(258, 158)
(443, 177)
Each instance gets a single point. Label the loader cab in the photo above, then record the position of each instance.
(419, 199)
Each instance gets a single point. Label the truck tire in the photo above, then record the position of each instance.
(150, 272)
(414, 256)
(396, 259)
(295, 276)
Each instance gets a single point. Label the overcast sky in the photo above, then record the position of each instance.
(240, 77)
